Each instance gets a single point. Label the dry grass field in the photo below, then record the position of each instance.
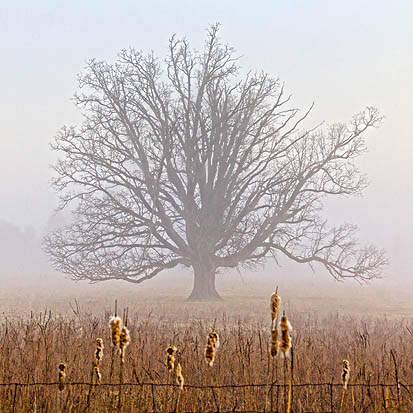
(370, 328)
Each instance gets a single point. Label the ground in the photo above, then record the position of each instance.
(378, 298)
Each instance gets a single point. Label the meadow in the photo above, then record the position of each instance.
(244, 376)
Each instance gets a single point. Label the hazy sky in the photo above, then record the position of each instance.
(342, 55)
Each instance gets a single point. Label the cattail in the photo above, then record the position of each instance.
(211, 346)
(214, 337)
(99, 350)
(115, 326)
(98, 358)
(345, 375)
(285, 344)
(179, 377)
(210, 353)
(170, 357)
(62, 375)
(274, 342)
(274, 306)
(97, 373)
(123, 342)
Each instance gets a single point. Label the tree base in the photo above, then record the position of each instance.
(204, 286)
(204, 297)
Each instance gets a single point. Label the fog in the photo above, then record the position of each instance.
(341, 56)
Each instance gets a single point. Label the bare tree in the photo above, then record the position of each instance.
(192, 166)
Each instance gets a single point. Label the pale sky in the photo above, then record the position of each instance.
(342, 55)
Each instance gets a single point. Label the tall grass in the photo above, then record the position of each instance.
(379, 351)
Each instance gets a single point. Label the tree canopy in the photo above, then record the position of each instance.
(186, 162)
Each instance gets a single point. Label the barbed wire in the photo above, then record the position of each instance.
(270, 387)
(200, 386)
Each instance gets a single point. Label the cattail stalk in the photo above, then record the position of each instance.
(115, 327)
(98, 358)
(290, 387)
(345, 374)
(123, 343)
(170, 365)
(285, 347)
(179, 377)
(62, 375)
(124, 340)
(275, 301)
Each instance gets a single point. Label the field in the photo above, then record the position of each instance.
(370, 328)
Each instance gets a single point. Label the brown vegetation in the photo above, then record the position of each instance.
(379, 351)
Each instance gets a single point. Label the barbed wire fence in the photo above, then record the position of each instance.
(200, 386)
(14, 386)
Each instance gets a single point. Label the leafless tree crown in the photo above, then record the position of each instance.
(186, 163)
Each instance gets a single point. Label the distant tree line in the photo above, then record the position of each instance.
(20, 249)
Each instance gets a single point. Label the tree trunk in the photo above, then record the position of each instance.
(204, 285)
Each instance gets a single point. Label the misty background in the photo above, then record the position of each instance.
(341, 56)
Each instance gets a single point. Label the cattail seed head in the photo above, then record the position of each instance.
(115, 326)
(214, 338)
(285, 344)
(210, 354)
(62, 375)
(99, 350)
(345, 374)
(179, 377)
(170, 357)
(124, 340)
(274, 306)
(211, 346)
(274, 342)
